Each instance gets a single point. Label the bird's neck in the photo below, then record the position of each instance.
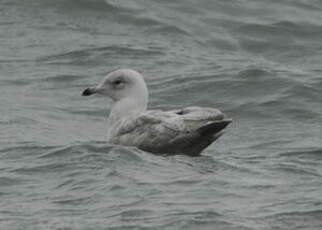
(128, 106)
(125, 108)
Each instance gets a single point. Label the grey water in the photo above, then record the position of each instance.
(258, 61)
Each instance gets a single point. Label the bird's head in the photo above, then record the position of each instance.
(121, 84)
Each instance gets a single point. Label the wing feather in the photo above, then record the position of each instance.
(178, 131)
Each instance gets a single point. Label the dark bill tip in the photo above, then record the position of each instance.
(87, 92)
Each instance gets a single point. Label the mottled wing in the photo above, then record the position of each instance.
(186, 131)
(196, 117)
(202, 127)
(150, 131)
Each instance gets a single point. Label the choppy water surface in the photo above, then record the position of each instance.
(258, 61)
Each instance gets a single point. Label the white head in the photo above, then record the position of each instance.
(124, 85)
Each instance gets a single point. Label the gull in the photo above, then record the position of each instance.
(183, 131)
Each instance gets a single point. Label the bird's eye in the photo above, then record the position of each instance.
(117, 82)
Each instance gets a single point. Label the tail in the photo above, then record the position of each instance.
(194, 142)
(214, 128)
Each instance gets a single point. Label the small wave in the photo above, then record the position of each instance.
(311, 213)
(93, 5)
(252, 73)
(97, 54)
(307, 91)
(62, 78)
(214, 86)
(16, 82)
(125, 5)
(305, 30)
(305, 153)
(93, 113)
(6, 181)
(24, 149)
(169, 29)
(206, 219)
(75, 201)
(302, 114)
(295, 218)
(281, 30)
(137, 214)
(52, 159)
(292, 168)
(76, 149)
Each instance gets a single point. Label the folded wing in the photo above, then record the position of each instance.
(187, 131)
